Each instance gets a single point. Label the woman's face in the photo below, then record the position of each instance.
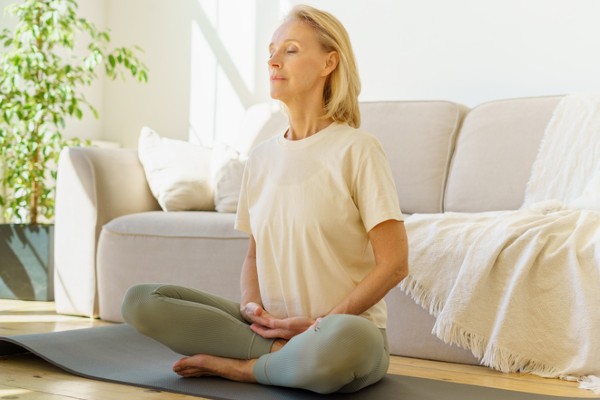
(298, 65)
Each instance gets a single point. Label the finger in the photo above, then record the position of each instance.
(269, 333)
(261, 320)
(260, 329)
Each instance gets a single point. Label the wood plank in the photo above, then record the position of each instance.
(35, 377)
(482, 376)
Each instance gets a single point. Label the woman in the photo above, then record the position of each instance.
(327, 241)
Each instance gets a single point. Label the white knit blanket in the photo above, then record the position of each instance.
(567, 167)
(521, 289)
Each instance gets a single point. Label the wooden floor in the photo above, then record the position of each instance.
(30, 378)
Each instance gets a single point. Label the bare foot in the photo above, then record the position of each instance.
(205, 365)
(229, 368)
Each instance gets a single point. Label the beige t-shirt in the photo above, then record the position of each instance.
(309, 205)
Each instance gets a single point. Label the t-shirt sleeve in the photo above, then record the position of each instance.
(242, 217)
(374, 189)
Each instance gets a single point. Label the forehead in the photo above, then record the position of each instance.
(294, 30)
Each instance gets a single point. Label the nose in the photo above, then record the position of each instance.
(273, 62)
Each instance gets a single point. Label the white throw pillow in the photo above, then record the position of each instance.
(228, 169)
(178, 172)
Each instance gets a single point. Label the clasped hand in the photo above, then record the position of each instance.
(269, 327)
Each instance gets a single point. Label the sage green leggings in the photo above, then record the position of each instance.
(343, 354)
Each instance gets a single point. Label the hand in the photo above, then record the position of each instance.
(270, 327)
(285, 328)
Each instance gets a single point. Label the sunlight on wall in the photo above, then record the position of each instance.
(222, 69)
(203, 88)
(237, 19)
(234, 89)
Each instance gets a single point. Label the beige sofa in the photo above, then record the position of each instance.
(111, 234)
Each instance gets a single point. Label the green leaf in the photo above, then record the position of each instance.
(94, 111)
(41, 83)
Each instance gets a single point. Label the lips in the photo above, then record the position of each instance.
(277, 78)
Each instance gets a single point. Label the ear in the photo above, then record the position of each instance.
(331, 62)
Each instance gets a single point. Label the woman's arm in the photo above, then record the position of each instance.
(390, 246)
(249, 281)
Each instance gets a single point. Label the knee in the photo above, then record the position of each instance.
(352, 333)
(136, 306)
(353, 348)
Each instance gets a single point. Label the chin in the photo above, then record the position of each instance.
(277, 96)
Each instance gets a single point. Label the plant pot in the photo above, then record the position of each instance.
(27, 262)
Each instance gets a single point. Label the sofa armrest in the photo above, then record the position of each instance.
(94, 186)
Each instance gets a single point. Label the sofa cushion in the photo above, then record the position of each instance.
(198, 224)
(488, 171)
(200, 250)
(428, 129)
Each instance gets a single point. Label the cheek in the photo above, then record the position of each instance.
(308, 72)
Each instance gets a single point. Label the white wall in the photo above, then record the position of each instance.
(207, 58)
(473, 51)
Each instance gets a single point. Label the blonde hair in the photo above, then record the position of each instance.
(342, 88)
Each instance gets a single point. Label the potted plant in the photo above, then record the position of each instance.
(41, 81)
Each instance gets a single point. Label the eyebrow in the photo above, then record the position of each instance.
(271, 45)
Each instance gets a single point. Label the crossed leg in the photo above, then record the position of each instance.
(192, 322)
(345, 353)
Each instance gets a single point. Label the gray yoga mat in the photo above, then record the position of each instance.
(118, 353)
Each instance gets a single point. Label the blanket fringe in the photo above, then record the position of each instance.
(590, 382)
(489, 354)
(422, 297)
(504, 360)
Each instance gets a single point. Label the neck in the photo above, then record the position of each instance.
(305, 121)
(303, 128)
